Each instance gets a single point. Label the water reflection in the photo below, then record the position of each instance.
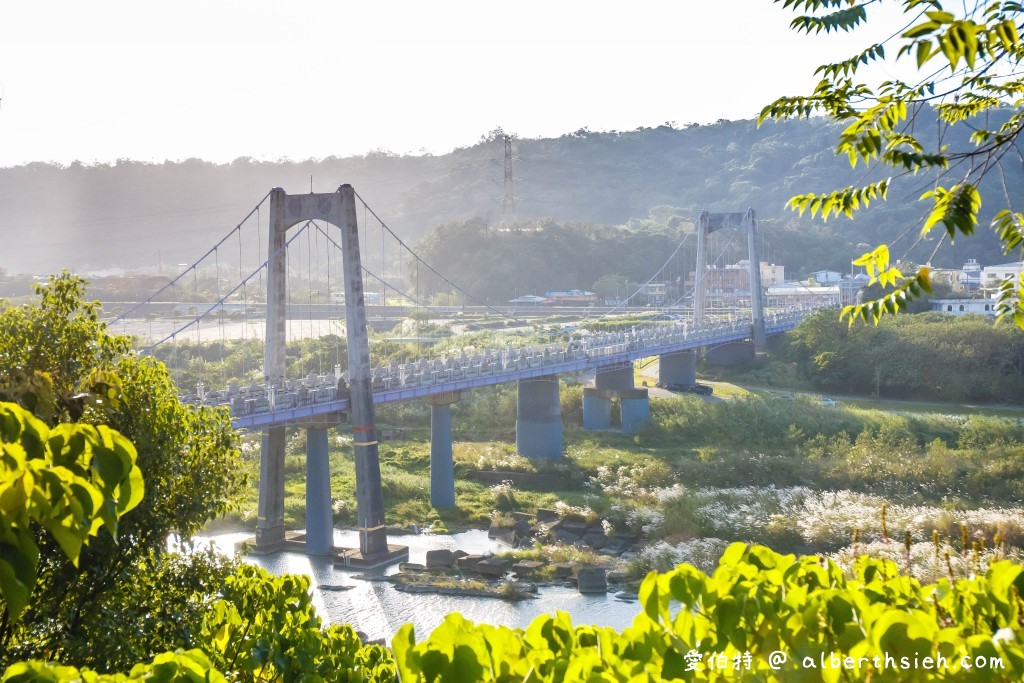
(378, 610)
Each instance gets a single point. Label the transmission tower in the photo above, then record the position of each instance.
(508, 203)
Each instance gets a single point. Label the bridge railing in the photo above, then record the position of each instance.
(267, 398)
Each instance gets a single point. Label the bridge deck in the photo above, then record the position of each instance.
(403, 383)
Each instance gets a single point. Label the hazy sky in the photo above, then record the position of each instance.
(220, 79)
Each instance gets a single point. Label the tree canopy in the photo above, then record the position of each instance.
(58, 361)
(964, 58)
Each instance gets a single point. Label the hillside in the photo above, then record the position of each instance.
(133, 214)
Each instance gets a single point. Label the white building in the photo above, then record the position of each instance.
(991, 276)
(964, 306)
(790, 294)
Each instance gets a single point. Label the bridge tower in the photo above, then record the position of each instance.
(747, 222)
(337, 208)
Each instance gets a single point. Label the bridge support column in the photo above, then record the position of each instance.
(597, 409)
(678, 368)
(319, 519)
(270, 513)
(539, 418)
(635, 408)
(442, 464)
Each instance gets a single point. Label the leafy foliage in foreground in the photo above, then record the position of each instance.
(693, 627)
(72, 481)
(58, 361)
(265, 628)
(760, 602)
(966, 58)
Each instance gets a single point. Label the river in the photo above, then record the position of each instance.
(378, 610)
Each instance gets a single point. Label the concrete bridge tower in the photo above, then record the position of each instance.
(286, 211)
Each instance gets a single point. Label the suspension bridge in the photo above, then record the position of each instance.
(327, 270)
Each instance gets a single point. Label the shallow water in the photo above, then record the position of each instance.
(378, 610)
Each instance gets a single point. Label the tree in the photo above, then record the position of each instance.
(58, 360)
(965, 59)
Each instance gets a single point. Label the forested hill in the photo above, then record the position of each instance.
(133, 214)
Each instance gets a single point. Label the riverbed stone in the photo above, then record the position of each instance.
(609, 552)
(522, 528)
(459, 553)
(527, 567)
(595, 539)
(493, 566)
(573, 528)
(497, 530)
(563, 569)
(592, 580)
(469, 562)
(440, 558)
(563, 536)
(617, 576)
(545, 516)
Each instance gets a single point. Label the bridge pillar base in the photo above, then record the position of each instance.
(597, 409)
(678, 368)
(442, 464)
(270, 514)
(635, 407)
(539, 418)
(319, 519)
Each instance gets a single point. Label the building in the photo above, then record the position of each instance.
(653, 293)
(527, 300)
(826, 277)
(991, 276)
(771, 274)
(964, 306)
(797, 294)
(969, 277)
(849, 288)
(569, 297)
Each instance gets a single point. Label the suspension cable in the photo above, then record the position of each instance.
(195, 320)
(193, 265)
(433, 270)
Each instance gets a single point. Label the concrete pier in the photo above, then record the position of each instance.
(539, 418)
(597, 409)
(635, 408)
(615, 382)
(678, 368)
(270, 510)
(442, 464)
(319, 518)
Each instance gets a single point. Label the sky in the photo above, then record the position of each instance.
(220, 79)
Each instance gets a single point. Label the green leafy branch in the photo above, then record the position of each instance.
(839, 20)
(893, 302)
(844, 201)
(72, 480)
(956, 208)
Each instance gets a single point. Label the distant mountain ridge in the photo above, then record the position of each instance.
(135, 215)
